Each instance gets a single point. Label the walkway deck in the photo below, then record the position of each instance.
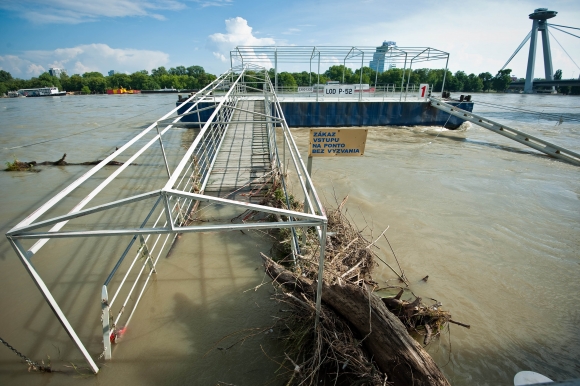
(243, 159)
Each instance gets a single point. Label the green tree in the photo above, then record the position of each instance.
(64, 80)
(367, 74)
(156, 72)
(286, 80)
(85, 90)
(5, 76)
(336, 73)
(119, 80)
(93, 74)
(558, 75)
(179, 70)
(195, 71)
(486, 80)
(150, 84)
(392, 76)
(74, 83)
(98, 84)
(459, 81)
(138, 80)
(422, 75)
(45, 80)
(502, 80)
(474, 84)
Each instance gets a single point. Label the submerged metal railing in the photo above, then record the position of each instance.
(172, 203)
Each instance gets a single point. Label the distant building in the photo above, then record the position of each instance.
(112, 72)
(514, 78)
(379, 57)
(56, 71)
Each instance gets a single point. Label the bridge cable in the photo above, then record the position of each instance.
(561, 30)
(547, 116)
(517, 49)
(563, 49)
(563, 26)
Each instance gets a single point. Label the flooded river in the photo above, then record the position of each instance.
(495, 225)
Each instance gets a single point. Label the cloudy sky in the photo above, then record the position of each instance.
(132, 35)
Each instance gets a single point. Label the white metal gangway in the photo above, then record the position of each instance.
(173, 192)
(519, 136)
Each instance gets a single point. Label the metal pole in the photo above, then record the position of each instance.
(309, 169)
(163, 151)
(320, 275)
(306, 201)
(310, 73)
(106, 326)
(377, 72)
(318, 75)
(276, 69)
(445, 74)
(362, 63)
(408, 79)
(52, 302)
(403, 79)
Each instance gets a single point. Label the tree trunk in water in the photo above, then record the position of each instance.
(394, 351)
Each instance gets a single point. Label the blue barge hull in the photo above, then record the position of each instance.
(344, 114)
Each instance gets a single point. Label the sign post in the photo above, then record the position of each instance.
(326, 142)
(338, 90)
(423, 91)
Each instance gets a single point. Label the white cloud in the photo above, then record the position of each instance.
(219, 56)
(238, 33)
(213, 3)
(291, 31)
(13, 64)
(75, 11)
(83, 58)
(34, 69)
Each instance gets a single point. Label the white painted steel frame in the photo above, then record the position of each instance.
(177, 198)
(509, 132)
(329, 54)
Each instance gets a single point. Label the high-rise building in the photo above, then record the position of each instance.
(379, 57)
(56, 71)
(112, 72)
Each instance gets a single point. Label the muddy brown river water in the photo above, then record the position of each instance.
(495, 225)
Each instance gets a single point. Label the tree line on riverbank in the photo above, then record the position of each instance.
(181, 77)
(195, 77)
(455, 82)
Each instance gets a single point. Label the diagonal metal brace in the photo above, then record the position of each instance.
(144, 251)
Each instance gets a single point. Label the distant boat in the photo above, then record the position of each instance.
(122, 90)
(14, 94)
(41, 92)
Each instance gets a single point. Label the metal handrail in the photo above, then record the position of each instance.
(184, 188)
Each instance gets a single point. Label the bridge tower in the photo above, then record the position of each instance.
(539, 18)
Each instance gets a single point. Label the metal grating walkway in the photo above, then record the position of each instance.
(243, 165)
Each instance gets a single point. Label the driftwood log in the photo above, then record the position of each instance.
(28, 165)
(393, 350)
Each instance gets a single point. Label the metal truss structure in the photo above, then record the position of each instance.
(273, 56)
(166, 210)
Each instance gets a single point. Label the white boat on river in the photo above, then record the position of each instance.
(41, 92)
